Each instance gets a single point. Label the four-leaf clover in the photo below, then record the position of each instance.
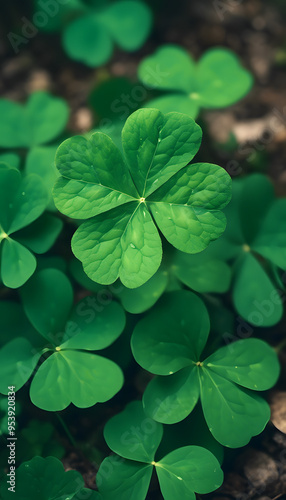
(135, 437)
(22, 225)
(216, 81)
(125, 197)
(170, 341)
(71, 374)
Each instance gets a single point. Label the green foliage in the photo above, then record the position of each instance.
(216, 81)
(152, 182)
(254, 240)
(201, 272)
(41, 161)
(38, 438)
(71, 374)
(170, 341)
(37, 122)
(45, 478)
(136, 438)
(23, 228)
(89, 33)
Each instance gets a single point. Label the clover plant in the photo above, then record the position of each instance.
(123, 196)
(255, 243)
(89, 33)
(201, 272)
(170, 343)
(216, 81)
(40, 120)
(70, 373)
(136, 438)
(23, 226)
(45, 478)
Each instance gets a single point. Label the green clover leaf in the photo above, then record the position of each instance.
(136, 438)
(152, 183)
(216, 81)
(90, 37)
(169, 342)
(254, 238)
(11, 159)
(22, 225)
(201, 272)
(71, 374)
(37, 122)
(41, 161)
(46, 478)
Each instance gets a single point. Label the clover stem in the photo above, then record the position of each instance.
(280, 346)
(66, 430)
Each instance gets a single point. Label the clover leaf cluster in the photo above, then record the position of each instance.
(89, 33)
(70, 373)
(24, 227)
(125, 198)
(216, 81)
(136, 438)
(170, 343)
(46, 478)
(254, 244)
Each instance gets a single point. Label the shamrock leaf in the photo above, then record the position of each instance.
(152, 182)
(90, 37)
(169, 342)
(45, 478)
(41, 161)
(254, 238)
(201, 272)
(216, 81)
(37, 122)
(11, 159)
(22, 225)
(136, 437)
(70, 374)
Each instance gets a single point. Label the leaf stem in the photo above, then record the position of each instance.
(66, 430)
(280, 346)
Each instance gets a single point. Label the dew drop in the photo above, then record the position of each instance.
(132, 245)
(23, 193)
